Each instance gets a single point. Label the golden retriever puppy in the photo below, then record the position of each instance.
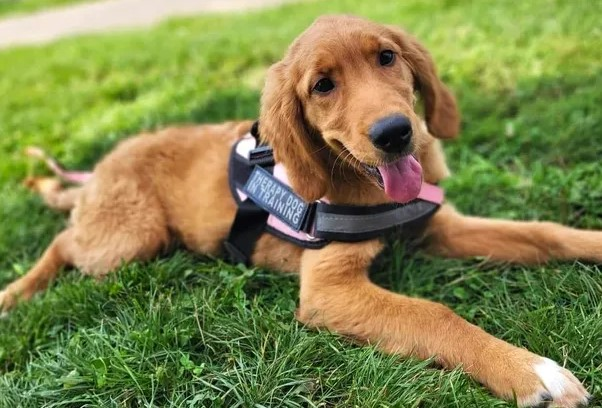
(339, 112)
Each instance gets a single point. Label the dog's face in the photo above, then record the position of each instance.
(347, 89)
(357, 91)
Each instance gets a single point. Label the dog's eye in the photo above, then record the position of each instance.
(386, 57)
(324, 85)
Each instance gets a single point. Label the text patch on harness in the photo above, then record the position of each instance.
(276, 198)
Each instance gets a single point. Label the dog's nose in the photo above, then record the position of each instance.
(392, 133)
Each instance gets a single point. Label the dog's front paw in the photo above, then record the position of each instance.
(516, 374)
(558, 386)
(534, 381)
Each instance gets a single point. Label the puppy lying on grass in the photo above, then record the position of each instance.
(339, 113)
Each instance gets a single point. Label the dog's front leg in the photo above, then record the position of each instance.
(460, 236)
(337, 294)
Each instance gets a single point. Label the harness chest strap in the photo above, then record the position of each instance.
(266, 202)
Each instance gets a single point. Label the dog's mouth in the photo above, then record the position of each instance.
(401, 179)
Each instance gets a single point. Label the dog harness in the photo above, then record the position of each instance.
(267, 203)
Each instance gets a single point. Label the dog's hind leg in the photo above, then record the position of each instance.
(116, 221)
(122, 223)
(453, 234)
(53, 193)
(57, 255)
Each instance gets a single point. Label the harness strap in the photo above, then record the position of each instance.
(323, 222)
(250, 220)
(350, 224)
(246, 229)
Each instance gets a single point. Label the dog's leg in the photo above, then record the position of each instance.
(124, 223)
(96, 251)
(336, 293)
(53, 193)
(57, 255)
(453, 234)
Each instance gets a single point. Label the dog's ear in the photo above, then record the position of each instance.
(440, 107)
(282, 125)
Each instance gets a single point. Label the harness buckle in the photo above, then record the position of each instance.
(308, 223)
(262, 155)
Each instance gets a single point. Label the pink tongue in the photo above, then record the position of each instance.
(402, 179)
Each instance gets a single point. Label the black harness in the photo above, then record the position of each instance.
(259, 194)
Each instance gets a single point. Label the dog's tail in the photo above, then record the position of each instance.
(51, 188)
(70, 176)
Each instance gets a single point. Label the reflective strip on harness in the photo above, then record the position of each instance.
(348, 223)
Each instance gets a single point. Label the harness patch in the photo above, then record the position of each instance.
(276, 198)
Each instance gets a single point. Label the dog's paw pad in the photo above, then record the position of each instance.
(559, 387)
(545, 398)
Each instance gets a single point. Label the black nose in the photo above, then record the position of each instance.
(391, 134)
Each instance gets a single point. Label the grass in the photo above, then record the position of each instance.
(8, 7)
(189, 331)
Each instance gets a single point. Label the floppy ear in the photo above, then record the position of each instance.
(296, 145)
(440, 108)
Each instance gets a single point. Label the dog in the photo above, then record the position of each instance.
(339, 110)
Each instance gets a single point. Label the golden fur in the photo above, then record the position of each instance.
(154, 188)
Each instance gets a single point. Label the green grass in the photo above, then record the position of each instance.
(27, 6)
(189, 331)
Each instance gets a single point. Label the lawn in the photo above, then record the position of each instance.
(189, 331)
(25, 6)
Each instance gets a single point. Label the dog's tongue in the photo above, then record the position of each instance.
(402, 179)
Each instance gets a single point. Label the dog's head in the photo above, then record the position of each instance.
(344, 95)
